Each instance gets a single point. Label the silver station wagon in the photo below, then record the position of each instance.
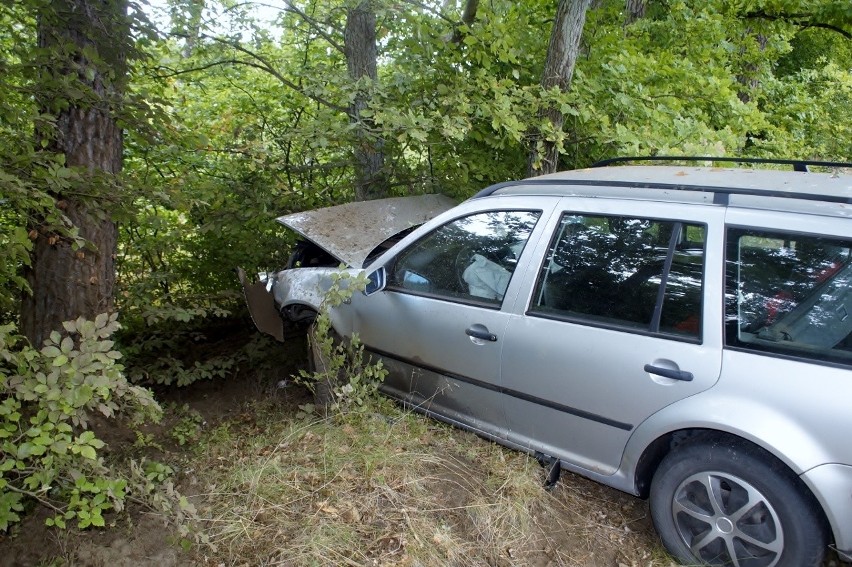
(680, 333)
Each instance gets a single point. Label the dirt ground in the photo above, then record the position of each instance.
(611, 520)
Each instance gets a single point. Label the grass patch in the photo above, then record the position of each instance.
(384, 486)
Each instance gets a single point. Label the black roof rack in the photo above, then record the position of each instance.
(798, 164)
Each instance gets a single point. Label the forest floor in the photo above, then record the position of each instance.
(275, 485)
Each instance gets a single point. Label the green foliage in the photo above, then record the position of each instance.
(48, 398)
(188, 427)
(173, 371)
(342, 376)
(180, 349)
(153, 484)
(232, 124)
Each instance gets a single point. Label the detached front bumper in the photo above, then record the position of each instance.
(262, 307)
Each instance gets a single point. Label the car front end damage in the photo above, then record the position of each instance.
(344, 236)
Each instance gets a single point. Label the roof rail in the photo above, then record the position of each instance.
(798, 164)
(721, 194)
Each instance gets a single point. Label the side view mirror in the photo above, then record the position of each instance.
(376, 281)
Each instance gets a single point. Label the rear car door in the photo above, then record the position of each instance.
(623, 318)
(438, 325)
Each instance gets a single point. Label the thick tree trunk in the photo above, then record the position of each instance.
(558, 70)
(469, 13)
(360, 45)
(68, 283)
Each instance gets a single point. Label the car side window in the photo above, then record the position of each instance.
(639, 273)
(468, 259)
(789, 294)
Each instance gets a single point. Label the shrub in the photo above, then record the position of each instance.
(342, 378)
(47, 397)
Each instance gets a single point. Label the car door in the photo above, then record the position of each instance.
(438, 324)
(623, 317)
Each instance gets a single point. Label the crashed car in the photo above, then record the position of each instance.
(350, 235)
(683, 334)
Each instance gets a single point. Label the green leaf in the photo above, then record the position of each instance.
(25, 450)
(50, 351)
(88, 452)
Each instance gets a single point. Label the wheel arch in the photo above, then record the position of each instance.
(299, 312)
(725, 414)
(654, 453)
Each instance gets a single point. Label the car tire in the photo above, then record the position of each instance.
(731, 503)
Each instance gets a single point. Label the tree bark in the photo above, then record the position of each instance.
(87, 40)
(467, 18)
(558, 71)
(469, 13)
(634, 10)
(359, 40)
(749, 75)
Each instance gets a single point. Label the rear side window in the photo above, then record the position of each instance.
(638, 273)
(789, 294)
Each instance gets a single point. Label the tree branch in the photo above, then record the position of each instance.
(315, 25)
(801, 20)
(263, 64)
(35, 496)
(432, 11)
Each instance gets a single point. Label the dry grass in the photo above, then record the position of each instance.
(387, 487)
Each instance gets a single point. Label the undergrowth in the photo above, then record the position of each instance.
(51, 455)
(371, 483)
(388, 487)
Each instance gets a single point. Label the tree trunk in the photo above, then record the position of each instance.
(87, 40)
(750, 72)
(467, 19)
(359, 40)
(634, 10)
(558, 70)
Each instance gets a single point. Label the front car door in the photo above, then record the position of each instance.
(445, 296)
(617, 326)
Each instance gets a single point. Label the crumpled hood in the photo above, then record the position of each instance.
(349, 232)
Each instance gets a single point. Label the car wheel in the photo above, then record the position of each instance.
(723, 503)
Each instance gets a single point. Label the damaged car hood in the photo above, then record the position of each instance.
(349, 232)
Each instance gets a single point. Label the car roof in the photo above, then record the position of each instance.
(719, 185)
(831, 187)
